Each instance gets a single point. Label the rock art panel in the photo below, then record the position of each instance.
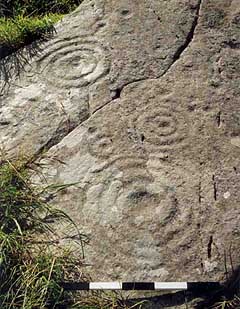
(72, 62)
(164, 129)
(95, 52)
(126, 189)
(155, 150)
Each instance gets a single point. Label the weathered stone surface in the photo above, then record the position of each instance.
(97, 50)
(150, 93)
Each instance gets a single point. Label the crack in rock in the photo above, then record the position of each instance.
(177, 55)
(61, 133)
(58, 136)
(190, 35)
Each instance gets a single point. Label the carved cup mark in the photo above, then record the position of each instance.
(73, 63)
(164, 132)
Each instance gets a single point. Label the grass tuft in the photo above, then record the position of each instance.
(228, 304)
(32, 262)
(12, 8)
(24, 21)
(19, 31)
(107, 300)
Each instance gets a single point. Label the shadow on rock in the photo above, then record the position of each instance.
(13, 60)
(197, 299)
(230, 289)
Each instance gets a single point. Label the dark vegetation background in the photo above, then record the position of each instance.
(12, 8)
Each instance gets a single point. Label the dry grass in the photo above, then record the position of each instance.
(32, 263)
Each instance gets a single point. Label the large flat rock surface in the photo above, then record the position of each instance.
(138, 102)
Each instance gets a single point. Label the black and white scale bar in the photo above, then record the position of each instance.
(142, 286)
